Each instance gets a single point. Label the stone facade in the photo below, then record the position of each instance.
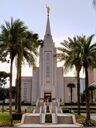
(47, 80)
(26, 89)
(68, 80)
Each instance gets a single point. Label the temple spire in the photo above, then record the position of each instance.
(48, 31)
(48, 10)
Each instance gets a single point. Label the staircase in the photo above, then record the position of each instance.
(50, 114)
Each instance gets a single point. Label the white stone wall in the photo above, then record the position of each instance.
(60, 87)
(82, 84)
(26, 85)
(35, 85)
(48, 68)
(67, 95)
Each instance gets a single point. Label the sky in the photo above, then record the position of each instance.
(68, 18)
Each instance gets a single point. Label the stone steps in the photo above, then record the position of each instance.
(48, 115)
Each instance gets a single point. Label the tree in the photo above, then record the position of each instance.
(3, 96)
(87, 53)
(27, 50)
(2, 56)
(11, 33)
(71, 59)
(71, 86)
(3, 76)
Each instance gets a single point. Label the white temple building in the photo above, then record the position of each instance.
(47, 80)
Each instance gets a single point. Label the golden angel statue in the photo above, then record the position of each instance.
(48, 10)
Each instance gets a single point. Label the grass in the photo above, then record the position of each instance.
(82, 120)
(5, 119)
(4, 116)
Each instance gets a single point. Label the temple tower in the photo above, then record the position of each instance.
(48, 66)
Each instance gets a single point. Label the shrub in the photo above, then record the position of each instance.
(89, 123)
(48, 118)
(82, 120)
(16, 116)
(66, 110)
(33, 104)
(62, 104)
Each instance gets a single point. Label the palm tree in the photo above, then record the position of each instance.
(71, 86)
(27, 50)
(71, 59)
(11, 33)
(87, 53)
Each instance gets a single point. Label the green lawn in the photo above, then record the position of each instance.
(4, 116)
(5, 120)
(82, 120)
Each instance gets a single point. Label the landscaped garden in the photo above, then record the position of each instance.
(72, 108)
(5, 119)
(16, 117)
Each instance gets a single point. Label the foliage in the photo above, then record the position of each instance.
(16, 116)
(33, 104)
(62, 103)
(19, 43)
(27, 50)
(3, 77)
(71, 59)
(4, 116)
(5, 120)
(48, 118)
(82, 120)
(81, 53)
(65, 110)
(11, 33)
(3, 93)
(3, 56)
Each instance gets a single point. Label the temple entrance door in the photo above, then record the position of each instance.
(48, 96)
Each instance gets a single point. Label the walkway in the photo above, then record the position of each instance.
(49, 125)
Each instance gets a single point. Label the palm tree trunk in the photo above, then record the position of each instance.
(78, 92)
(87, 95)
(71, 94)
(91, 96)
(10, 93)
(16, 93)
(19, 105)
(19, 84)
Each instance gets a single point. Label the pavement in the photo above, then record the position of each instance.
(49, 125)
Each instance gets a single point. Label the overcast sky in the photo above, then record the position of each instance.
(67, 18)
